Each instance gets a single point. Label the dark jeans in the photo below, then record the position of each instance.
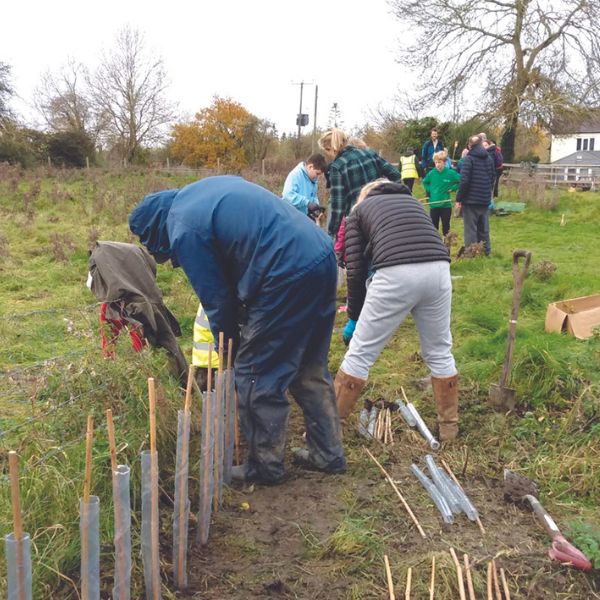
(284, 346)
(477, 225)
(409, 182)
(444, 214)
(497, 182)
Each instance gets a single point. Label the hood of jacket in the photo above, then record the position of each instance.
(391, 187)
(478, 152)
(148, 221)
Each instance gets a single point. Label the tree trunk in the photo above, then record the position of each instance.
(508, 137)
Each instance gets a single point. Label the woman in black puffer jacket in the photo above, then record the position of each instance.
(390, 230)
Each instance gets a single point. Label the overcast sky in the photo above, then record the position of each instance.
(252, 52)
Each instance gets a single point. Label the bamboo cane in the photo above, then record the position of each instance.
(504, 584)
(450, 472)
(408, 583)
(432, 584)
(388, 574)
(153, 489)
(87, 479)
(496, 581)
(459, 575)
(13, 467)
(395, 488)
(110, 427)
(184, 459)
(490, 593)
(470, 587)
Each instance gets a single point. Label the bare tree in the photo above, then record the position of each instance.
(524, 59)
(64, 101)
(6, 93)
(128, 89)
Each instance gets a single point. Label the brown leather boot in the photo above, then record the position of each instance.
(347, 391)
(445, 394)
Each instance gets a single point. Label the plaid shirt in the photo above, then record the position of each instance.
(348, 173)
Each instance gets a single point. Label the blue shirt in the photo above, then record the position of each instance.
(299, 189)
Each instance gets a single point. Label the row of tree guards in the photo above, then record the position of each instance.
(219, 443)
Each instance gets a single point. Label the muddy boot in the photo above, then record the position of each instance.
(445, 393)
(347, 390)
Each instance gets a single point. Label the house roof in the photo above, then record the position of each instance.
(576, 125)
(584, 157)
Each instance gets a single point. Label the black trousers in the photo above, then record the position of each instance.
(444, 215)
(409, 182)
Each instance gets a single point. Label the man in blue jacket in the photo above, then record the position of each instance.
(430, 147)
(300, 187)
(266, 277)
(477, 176)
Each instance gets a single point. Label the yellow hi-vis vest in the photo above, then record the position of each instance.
(202, 338)
(408, 168)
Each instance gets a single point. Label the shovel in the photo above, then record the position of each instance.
(501, 396)
(519, 489)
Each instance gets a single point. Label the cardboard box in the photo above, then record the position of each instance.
(577, 317)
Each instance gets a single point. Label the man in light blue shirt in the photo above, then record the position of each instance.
(300, 188)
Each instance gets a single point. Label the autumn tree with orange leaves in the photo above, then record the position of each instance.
(224, 133)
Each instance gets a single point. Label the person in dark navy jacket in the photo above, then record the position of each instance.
(266, 277)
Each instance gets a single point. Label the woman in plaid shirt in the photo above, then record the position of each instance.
(351, 168)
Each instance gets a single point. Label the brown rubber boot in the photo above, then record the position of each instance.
(347, 390)
(445, 394)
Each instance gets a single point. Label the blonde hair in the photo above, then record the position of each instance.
(332, 142)
(365, 190)
(441, 155)
(357, 143)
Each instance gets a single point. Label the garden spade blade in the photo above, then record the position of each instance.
(501, 396)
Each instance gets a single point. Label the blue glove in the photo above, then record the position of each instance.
(348, 331)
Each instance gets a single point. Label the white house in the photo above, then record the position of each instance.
(582, 138)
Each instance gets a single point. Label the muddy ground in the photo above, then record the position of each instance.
(320, 536)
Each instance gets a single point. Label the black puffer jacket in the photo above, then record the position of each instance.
(388, 228)
(477, 176)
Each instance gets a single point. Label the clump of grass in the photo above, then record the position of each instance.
(586, 537)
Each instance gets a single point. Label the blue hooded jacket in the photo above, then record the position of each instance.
(299, 189)
(234, 240)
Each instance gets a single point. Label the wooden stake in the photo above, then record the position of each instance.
(111, 440)
(395, 488)
(447, 467)
(189, 388)
(459, 575)
(218, 465)
(388, 574)
(184, 458)
(432, 585)
(408, 583)
(496, 581)
(504, 584)
(153, 489)
(490, 593)
(87, 480)
(470, 587)
(13, 467)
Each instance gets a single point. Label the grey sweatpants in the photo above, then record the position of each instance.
(477, 225)
(425, 291)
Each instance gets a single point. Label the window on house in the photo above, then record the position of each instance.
(578, 144)
(592, 140)
(585, 144)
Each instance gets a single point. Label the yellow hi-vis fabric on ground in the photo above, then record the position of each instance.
(202, 338)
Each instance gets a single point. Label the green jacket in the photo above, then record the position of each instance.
(439, 185)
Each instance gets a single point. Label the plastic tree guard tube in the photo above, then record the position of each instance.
(18, 572)
(122, 504)
(90, 547)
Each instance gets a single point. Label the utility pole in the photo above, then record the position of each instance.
(301, 119)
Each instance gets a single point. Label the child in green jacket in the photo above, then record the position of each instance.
(438, 184)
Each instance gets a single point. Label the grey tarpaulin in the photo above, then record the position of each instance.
(206, 467)
(151, 563)
(18, 580)
(122, 506)
(230, 416)
(181, 512)
(90, 548)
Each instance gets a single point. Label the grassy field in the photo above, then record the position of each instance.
(52, 376)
